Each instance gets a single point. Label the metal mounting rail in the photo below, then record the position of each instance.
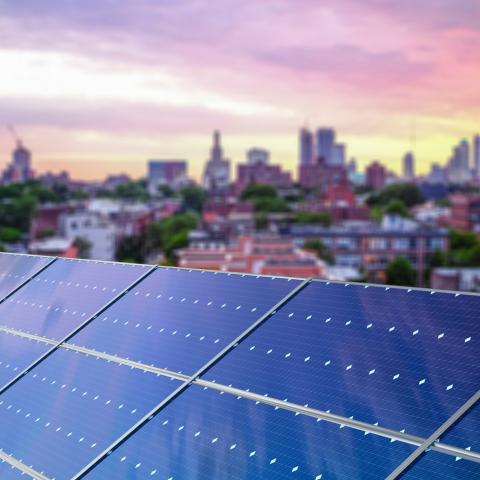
(414, 456)
(312, 412)
(21, 466)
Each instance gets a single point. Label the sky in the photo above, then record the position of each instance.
(101, 86)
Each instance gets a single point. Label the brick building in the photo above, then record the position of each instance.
(465, 212)
(371, 247)
(376, 175)
(269, 255)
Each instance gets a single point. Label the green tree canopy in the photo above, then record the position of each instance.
(321, 250)
(396, 207)
(408, 193)
(84, 247)
(193, 198)
(255, 191)
(10, 235)
(400, 272)
(313, 218)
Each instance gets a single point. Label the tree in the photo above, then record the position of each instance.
(270, 205)
(313, 217)
(171, 233)
(400, 272)
(257, 190)
(397, 207)
(165, 191)
(408, 193)
(10, 235)
(131, 249)
(84, 247)
(321, 250)
(134, 190)
(193, 198)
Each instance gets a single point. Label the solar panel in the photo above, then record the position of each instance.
(16, 353)
(70, 407)
(403, 359)
(190, 374)
(204, 434)
(16, 269)
(64, 295)
(179, 319)
(442, 467)
(9, 472)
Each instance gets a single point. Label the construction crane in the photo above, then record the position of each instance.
(13, 132)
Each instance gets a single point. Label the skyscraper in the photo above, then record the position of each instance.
(217, 169)
(464, 154)
(476, 155)
(306, 146)
(338, 154)
(257, 155)
(459, 164)
(409, 166)
(325, 144)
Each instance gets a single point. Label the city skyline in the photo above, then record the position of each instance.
(96, 89)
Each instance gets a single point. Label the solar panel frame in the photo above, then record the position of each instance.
(426, 444)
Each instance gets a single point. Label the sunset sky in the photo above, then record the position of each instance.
(100, 86)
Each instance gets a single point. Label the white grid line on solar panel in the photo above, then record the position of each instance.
(77, 329)
(324, 415)
(413, 457)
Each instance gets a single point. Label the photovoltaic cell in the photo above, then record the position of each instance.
(465, 433)
(64, 295)
(7, 472)
(15, 269)
(179, 319)
(206, 435)
(16, 353)
(406, 359)
(71, 407)
(438, 466)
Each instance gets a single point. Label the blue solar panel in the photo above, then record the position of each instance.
(439, 466)
(70, 407)
(179, 319)
(465, 433)
(206, 435)
(406, 359)
(8, 472)
(15, 269)
(16, 354)
(64, 295)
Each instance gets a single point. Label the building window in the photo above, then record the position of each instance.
(401, 244)
(346, 243)
(378, 244)
(437, 243)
